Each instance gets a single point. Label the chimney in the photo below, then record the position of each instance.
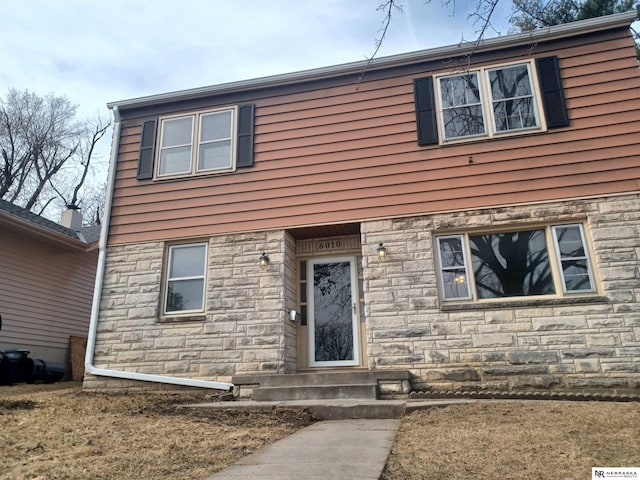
(71, 217)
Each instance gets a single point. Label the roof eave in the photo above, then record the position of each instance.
(545, 34)
(44, 233)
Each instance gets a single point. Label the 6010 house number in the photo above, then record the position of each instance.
(329, 244)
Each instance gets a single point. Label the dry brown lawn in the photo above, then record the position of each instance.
(516, 440)
(51, 432)
(59, 432)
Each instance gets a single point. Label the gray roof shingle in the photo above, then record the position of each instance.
(86, 234)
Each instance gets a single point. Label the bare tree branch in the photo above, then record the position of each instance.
(388, 7)
(100, 127)
(41, 211)
(45, 152)
(482, 16)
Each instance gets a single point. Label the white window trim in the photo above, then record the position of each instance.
(487, 104)
(587, 257)
(161, 148)
(441, 109)
(195, 144)
(167, 279)
(464, 265)
(555, 263)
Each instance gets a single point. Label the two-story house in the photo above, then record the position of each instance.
(468, 215)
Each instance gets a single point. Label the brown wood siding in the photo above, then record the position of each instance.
(348, 152)
(45, 295)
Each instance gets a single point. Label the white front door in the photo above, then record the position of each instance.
(333, 319)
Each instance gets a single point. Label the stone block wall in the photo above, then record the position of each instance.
(241, 332)
(290, 282)
(588, 343)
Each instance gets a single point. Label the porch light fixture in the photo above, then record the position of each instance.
(264, 260)
(381, 251)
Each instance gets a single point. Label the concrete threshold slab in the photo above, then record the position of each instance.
(338, 449)
(339, 409)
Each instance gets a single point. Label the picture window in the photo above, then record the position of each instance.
(517, 263)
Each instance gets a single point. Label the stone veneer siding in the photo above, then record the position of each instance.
(591, 343)
(242, 331)
(518, 345)
(291, 302)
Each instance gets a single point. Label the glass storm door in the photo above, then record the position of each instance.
(333, 323)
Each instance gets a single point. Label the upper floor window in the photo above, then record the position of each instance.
(490, 102)
(201, 142)
(487, 102)
(515, 263)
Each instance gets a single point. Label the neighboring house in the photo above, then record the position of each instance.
(467, 214)
(47, 276)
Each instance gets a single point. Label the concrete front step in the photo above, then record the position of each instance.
(312, 378)
(316, 392)
(341, 384)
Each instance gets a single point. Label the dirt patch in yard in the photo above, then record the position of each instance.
(516, 440)
(60, 432)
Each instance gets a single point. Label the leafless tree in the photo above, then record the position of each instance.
(46, 151)
(532, 14)
(71, 186)
(527, 15)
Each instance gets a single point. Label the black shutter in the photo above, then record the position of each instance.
(245, 136)
(550, 81)
(426, 120)
(147, 153)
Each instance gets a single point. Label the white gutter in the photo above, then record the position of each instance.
(97, 291)
(545, 34)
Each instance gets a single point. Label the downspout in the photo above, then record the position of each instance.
(97, 291)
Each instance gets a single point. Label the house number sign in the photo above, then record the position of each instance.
(324, 245)
(319, 246)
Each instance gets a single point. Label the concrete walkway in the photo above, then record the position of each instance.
(336, 449)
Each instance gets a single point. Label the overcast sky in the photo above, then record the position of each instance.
(95, 52)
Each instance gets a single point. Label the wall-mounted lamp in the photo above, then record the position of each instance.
(292, 315)
(264, 260)
(381, 251)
